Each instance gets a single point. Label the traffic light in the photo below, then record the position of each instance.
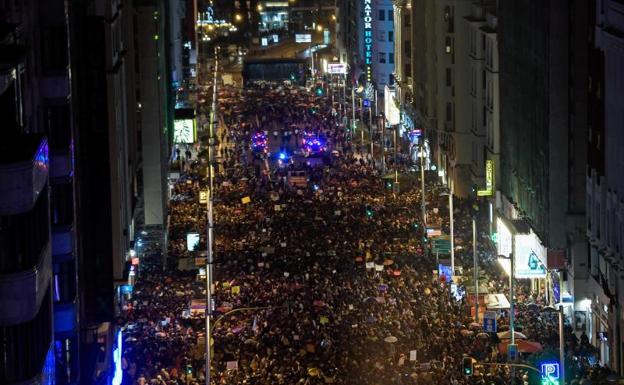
(467, 366)
(369, 211)
(319, 91)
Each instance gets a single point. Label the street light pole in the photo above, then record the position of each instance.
(353, 111)
(422, 186)
(383, 145)
(561, 345)
(512, 315)
(475, 267)
(361, 123)
(210, 203)
(451, 229)
(370, 130)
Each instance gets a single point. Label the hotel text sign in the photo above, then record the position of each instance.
(368, 38)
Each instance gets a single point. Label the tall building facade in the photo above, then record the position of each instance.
(154, 104)
(403, 92)
(347, 35)
(71, 186)
(483, 95)
(600, 288)
(38, 281)
(441, 83)
(543, 138)
(383, 49)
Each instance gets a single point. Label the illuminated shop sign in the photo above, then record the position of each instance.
(529, 257)
(489, 179)
(368, 38)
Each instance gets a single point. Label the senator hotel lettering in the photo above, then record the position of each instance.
(368, 37)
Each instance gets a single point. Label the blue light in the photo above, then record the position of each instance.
(316, 187)
(117, 352)
(550, 370)
(282, 156)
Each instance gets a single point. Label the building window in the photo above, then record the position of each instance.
(483, 80)
(382, 57)
(449, 112)
(57, 122)
(407, 20)
(390, 15)
(407, 47)
(390, 35)
(408, 70)
(448, 77)
(381, 35)
(391, 58)
(449, 44)
(54, 43)
(382, 15)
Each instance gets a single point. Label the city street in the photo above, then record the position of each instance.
(312, 192)
(321, 279)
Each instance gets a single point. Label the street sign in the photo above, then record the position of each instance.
(303, 38)
(489, 322)
(440, 244)
(550, 369)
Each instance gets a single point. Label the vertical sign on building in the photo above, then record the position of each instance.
(368, 39)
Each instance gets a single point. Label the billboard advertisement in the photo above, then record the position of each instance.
(530, 257)
(184, 131)
(393, 114)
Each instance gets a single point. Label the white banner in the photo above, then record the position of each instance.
(337, 68)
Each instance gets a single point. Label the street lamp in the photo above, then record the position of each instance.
(551, 310)
(451, 220)
(511, 266)
(210, 216)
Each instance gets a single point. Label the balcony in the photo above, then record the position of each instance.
(63, 240)
(64, 318)
(61, 163)
(55, 84)
(27, 349)
(22, 292)
(24, 166)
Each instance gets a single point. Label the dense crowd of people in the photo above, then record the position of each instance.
(333, 280)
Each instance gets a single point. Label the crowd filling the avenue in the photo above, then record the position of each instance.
(333, 279)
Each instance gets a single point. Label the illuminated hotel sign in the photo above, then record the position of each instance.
(368, 38)
(489, 179)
